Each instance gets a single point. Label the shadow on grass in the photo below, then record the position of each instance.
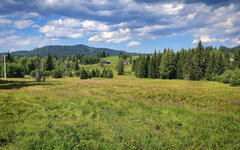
(7, 85)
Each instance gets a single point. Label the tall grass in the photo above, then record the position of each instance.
(120, 113)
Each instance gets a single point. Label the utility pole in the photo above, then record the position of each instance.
(5, 68)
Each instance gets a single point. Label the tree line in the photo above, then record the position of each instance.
(194, 64)
(53, 66)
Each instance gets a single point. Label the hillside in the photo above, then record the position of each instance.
(67, 51)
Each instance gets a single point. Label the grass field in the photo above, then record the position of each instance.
(120, 113)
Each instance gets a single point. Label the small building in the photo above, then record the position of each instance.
(126, 62)
(106, 62)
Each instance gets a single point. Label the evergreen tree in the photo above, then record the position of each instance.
(168, 65)
(210, 66)
(120, 66)
(143, 67)
(134, 65)
(236, 59)
(49, 63)
(9, 58)
(153, 68)
(76, 66)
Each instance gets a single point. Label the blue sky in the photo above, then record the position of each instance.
(131, 25)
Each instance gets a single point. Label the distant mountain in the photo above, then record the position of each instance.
(67, 51)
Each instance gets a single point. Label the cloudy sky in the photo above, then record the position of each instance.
(131, 25)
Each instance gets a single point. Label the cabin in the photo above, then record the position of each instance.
(126, 62)
(106, 62)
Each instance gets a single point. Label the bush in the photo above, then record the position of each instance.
(77, 73)
(14, 70)
(84, 74)
(69, 74)
(110, 74)
(56, 74)
(47, 73)
(94, 73)
(107, 73)
(226, 76)
(235, 79)
(89, 74)
(33, 73)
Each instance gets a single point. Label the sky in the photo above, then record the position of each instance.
(132, 25)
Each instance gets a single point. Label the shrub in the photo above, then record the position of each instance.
(89, 74)
(109, 74)
(56, 74)
(94, 73)
(69, 74)
(235, 79)
(226, 76)
(77, 73)
(98, 73)
(47, 73)
(33, 73)
(104, 73)
(84, 74)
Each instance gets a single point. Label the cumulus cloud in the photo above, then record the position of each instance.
(72, 28)
(75, 28)
(21, 24)
(121, 20)
(133, 43)
(112, 37)
(205, 39)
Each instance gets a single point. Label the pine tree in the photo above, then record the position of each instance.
(120, 66)
(143, 67)
(9, 58)
(168, 65)
(153, 69)
(49, 63)
(236, 59)
(210, 66)
(76, 66)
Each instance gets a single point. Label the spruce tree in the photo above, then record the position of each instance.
(49, 63)
(153, 68)
(168, 65)
(120, 66)
(236, 59)
(76, 66)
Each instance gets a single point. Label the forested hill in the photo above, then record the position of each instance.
(67, 51)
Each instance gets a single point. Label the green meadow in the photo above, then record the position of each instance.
(120, 113)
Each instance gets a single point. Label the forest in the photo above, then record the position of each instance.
(200, 63)
(194, 64)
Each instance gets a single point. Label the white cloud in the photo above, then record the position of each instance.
(21, 24)
(223, 40)
(15, 41)
(236, 41)
(4, 22)
(205, 39)
(112, 37)
(6, 32)
(133, 43)
(74, 28)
